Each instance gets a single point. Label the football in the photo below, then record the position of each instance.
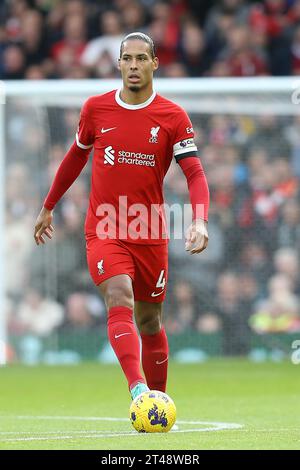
(152, 411)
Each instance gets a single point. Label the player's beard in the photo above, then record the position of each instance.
(134, 88)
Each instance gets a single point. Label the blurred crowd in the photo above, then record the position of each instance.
(249, 277)
(80, 39)
(247, 280)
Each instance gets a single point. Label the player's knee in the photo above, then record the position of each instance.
(119, 295)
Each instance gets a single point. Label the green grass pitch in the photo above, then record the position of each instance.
(86, 407)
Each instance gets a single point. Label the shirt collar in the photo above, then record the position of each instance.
(133, 106)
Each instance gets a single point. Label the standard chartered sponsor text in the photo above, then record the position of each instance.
(136, 158)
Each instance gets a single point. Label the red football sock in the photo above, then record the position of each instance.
(155, 351)
(124, 340)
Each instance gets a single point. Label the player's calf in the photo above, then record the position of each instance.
(155, 356)
(124, 340)
(118, 295)
(148, 317)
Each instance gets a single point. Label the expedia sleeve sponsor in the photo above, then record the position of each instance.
(184, 146)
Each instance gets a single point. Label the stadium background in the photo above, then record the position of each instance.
(241, 296)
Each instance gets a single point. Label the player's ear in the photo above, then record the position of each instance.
(155, 63)
(119, 67)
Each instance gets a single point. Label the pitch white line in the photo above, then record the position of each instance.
(69, 436)
(70, 418)
(62, 435)
(108, 418)
(15, 433)
(95, 435)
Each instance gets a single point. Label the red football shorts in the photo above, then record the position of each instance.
(147, 265)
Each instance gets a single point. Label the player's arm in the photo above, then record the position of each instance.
(185, 153)
(68, 171)
(197, 233)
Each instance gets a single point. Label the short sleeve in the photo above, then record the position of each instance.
(183, 139)
(85, 132)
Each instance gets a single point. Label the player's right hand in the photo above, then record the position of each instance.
(43, 226)
(196, 237)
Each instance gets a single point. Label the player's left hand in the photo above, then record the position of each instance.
(196, 236)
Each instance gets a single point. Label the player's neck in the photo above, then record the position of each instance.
(135, 97)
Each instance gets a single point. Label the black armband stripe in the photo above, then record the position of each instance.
(185, 155)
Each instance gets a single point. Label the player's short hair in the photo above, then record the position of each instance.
(141, 37)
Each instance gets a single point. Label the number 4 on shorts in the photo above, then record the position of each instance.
(161, 280)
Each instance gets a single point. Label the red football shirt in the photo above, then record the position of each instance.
(133, 148)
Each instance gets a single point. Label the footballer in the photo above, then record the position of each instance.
(134, 133)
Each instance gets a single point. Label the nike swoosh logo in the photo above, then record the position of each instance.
(155, 295)
(161, 362)
(122, 334)
(106, 130)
